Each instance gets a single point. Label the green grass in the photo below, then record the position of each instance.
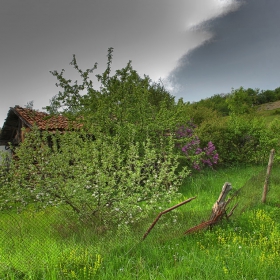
(53, 245)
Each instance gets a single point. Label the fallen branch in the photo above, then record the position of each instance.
(164, 212)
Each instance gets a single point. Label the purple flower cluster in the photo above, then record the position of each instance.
(211, 155)
(185, 130)
(198, 157)
(191, 145)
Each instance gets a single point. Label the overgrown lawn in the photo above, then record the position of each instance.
(53, 244)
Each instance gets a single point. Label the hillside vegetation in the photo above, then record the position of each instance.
(75, 205)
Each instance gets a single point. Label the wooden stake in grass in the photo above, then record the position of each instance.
(164, 212)
(218, 210)
(221, 203)
(269, 166)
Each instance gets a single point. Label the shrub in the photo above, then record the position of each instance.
(240, 138)
(100, 180)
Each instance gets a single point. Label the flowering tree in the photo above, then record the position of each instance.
(189, 144)
(95, 179)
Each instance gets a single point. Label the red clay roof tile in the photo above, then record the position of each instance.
(42, 120)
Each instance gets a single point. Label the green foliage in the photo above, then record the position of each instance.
(199, 113)
(123, 98)
(216, 103)
(125, 103)
(99, 180)
(117, 166)
(241, 101)
(240, 138)
(122, 161)
(268, 96)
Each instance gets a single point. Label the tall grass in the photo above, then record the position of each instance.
(52, 244)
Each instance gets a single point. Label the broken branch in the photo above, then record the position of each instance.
(164, 212)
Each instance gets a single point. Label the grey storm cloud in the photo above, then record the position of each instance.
(243, 51)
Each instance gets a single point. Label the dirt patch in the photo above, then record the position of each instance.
(269, 106)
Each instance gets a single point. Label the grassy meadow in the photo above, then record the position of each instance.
(53, 244)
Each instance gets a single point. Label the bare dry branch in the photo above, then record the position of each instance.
(164, 212)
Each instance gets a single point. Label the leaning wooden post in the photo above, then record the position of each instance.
(221, 203)
(269, 166)
(218, 210)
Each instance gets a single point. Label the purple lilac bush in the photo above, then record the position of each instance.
(189, 143)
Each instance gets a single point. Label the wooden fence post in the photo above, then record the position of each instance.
(265, 188)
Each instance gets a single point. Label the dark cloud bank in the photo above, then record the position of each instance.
(244, 51)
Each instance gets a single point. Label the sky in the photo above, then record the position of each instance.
(198, 48)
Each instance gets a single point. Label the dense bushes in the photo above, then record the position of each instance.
(239, 100)
(135, 147)
(240, 138)
(97, 179)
